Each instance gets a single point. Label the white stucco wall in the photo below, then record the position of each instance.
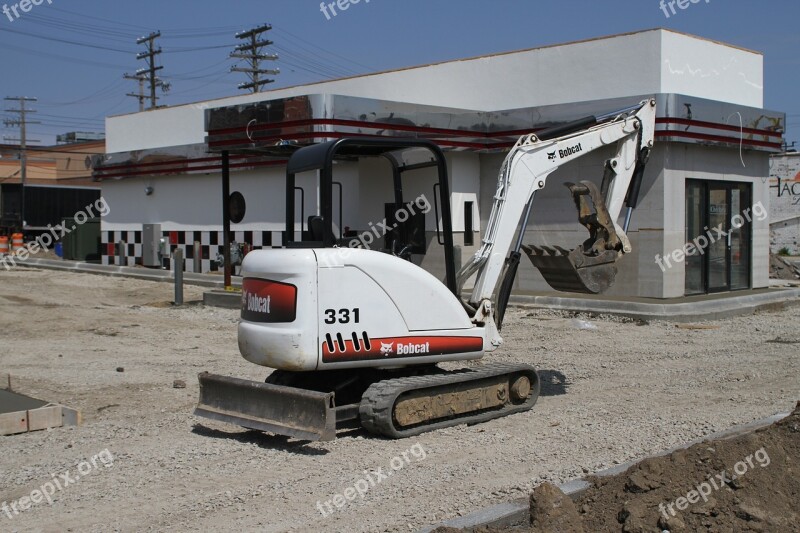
(711, 70)
(721, 164)
(367, 187)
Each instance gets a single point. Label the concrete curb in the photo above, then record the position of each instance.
(516, 512)
(222, 298)
(713, 309)
(202, 280)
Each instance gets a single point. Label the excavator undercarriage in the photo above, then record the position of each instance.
(392, 403)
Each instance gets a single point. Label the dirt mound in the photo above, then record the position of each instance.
(780, 268)
(746, 483)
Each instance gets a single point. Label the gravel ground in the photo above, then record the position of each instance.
(617, 393)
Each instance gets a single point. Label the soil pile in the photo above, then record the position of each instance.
(780, 268)
(746, 483)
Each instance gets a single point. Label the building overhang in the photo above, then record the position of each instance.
(265, 133)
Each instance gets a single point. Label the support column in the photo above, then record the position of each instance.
(226, 216)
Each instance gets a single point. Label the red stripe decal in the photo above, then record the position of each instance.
(400, 347)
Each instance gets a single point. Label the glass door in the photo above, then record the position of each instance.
(739, 237)
(695, 222)
(719, 209)
(718, 218)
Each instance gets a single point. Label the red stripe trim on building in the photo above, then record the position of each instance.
(186, 165)
(453, 132)
(716, 138)
(368, 125)
(246, 164)
(170, 162)
(716, 126)
(340, 135)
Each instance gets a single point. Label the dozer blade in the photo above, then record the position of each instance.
(299, 413)
(573, 271)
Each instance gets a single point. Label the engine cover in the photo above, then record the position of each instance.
(312, 309)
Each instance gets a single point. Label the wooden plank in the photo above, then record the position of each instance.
(44, 418)
(71, 417)
(13, 423)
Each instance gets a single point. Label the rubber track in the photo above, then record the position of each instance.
(377, 404)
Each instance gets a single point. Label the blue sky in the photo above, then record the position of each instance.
(71, 54)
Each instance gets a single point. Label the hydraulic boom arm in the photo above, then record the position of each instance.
(525, 171)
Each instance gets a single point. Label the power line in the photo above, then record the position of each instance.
(84, 29)
(196, 48)
(317, 51)
(188, 76)
(107, 90)
(205, 85)
(313, 66)
(138, 29)
(65, 117)
(67, 41)
(49, 55)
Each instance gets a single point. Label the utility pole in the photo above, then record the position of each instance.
(252, 53)
(22, 122)
(149, 73)
(141, 79)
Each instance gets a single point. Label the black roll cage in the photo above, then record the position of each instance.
(320, 157)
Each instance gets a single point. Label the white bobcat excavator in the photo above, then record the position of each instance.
(354, 335)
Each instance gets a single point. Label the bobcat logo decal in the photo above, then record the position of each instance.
(387, 348)
(551, 156)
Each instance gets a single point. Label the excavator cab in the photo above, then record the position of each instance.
(401, 237)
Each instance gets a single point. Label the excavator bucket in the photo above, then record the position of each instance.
(299, 413)
(573, 271)
(590, 268)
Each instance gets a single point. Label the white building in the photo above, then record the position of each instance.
(710, 163)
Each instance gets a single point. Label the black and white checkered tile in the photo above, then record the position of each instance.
(210, 246)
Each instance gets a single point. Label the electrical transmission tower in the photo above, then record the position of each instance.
(252, 53)
(23, 141)
(148, 74)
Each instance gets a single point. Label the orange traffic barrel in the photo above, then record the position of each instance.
(3, 245)
(17, 242)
